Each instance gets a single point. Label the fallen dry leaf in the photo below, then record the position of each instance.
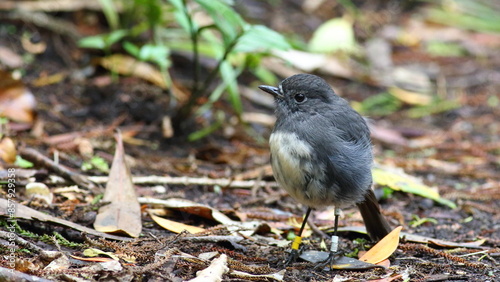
(39, 191)
(16, 100)
(10, 58)
(24, 212)
(8, 151)
(59, 264)
(49, 79)
(174, 226)
(410, 97)
(384, 248)
(123, 214)
(126, 65)
(93, 252)
(184, 205)
(95, 259)
(213, 272)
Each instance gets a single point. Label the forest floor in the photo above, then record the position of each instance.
(454, 148)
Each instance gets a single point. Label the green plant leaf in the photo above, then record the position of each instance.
(153, 11)
(181, 17)
(111, 14)
(93, 42)
(228, 21)
(260, 38)
(102, 41)
(417, 221)
(445, 49)
(265, 75)
(229, 75)
(20, 162)
(439, 106)
(475, 15)
(209, 129)
(158, 54)
(131, 48)
(378, 105)
(97, 163)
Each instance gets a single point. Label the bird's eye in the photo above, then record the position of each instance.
(299, 98)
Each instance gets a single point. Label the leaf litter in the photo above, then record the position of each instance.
(457, 152)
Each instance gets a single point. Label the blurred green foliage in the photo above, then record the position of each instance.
(378, 105)
(152, 30)
(175, 25)
(476, 15)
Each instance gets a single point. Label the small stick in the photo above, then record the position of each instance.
(184, 180)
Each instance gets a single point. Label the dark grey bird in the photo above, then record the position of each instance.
(321, 152)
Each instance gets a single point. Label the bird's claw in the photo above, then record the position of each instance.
(328, 262)
(292, 257)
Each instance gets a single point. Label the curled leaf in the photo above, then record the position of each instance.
(384, 248)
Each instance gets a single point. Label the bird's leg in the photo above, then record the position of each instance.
(294, 254)
(334, 247)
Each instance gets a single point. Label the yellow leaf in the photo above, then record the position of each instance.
(398, 180)
(383, 249)
(174, 226)
(410, 97)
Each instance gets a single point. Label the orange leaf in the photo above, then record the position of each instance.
(383, 249)
(8, 150)
(16, 101)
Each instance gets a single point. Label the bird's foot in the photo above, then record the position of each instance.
(292, 257)
(328, 262)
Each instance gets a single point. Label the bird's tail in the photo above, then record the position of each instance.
(376, 224)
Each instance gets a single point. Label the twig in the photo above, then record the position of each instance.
(21, 242)
(438, 253)
(14, 275)
(34, 156)
(43, 20)
(223, 182)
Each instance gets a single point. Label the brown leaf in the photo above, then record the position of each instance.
(174, 226)
(8, 151)
(49, 79)
(383, 249)
(123, 214)
(24, 212)
(187, 206)
(126, 65)
(10, 58)
(16, 101)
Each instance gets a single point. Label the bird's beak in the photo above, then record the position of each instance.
(271, 90)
